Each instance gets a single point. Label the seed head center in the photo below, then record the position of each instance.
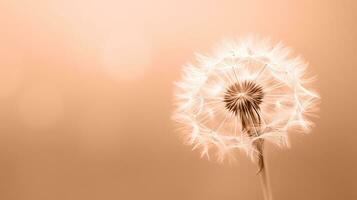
(243, 99)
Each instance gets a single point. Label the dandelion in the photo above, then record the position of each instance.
(247, 93)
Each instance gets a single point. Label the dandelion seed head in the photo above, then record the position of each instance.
(246, 92)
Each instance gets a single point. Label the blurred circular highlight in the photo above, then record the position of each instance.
(40, 106)
(10, 79)
(11, 75)
(125, 56)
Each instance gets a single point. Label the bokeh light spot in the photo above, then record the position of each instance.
(40, 106)
(126, 56)
(10, 79)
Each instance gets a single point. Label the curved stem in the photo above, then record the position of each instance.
(264, 179)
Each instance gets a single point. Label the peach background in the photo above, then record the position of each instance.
(86, 98)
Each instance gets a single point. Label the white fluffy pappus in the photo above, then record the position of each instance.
(248, 90)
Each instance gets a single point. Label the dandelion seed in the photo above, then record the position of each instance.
(246, 93)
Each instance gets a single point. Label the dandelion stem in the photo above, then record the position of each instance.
(264, 179)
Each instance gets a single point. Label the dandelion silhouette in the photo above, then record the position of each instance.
(246, 93)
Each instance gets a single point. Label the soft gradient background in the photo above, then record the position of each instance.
(86, 93)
